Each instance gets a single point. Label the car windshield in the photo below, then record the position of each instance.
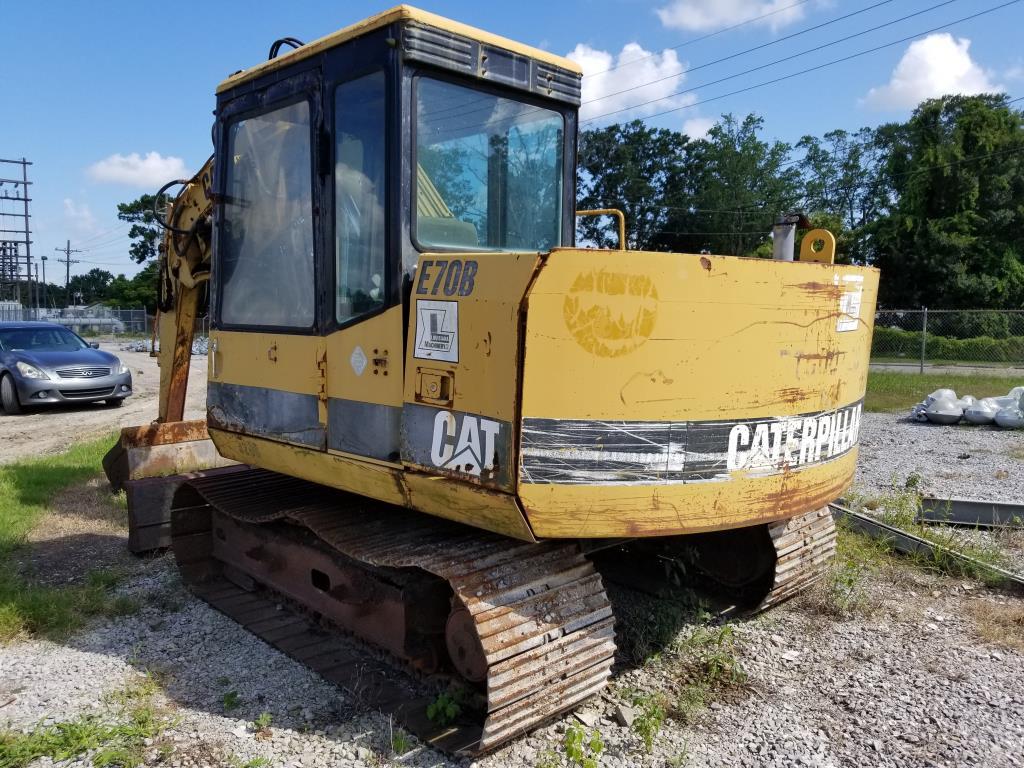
(40, 340)
(489, 170)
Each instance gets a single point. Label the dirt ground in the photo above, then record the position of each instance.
(41, 431)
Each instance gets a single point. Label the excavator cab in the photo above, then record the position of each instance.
(385, 196)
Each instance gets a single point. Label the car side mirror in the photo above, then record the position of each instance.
(94, 344)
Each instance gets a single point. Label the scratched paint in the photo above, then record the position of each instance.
(666, 452)
(610, 314)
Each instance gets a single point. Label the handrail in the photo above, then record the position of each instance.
(610, 212)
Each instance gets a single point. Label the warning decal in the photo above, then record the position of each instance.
(437, 330)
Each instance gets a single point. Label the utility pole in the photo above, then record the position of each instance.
(68, 261)
(44, 259)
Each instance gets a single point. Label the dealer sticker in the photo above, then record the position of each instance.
(437, 330)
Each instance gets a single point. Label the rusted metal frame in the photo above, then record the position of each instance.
(971, 512)
(176, 358)
(909, 544)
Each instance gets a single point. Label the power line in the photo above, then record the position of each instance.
(794, 74)
(703, 37)
(776, 42)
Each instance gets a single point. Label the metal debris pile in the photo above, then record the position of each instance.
(943, 407)
(200, 345)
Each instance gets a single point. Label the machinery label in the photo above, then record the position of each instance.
(464, 443)
(570, 451)
(437, 330)
(450, 277)
(454, 442)
(792, 442)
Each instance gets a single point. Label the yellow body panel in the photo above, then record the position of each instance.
(439, 496)
(380, 340)
(487, 372)
(398, 13)
(598, 393)
(612, 511)
(705, 391)
(274, 360)
(651, 336)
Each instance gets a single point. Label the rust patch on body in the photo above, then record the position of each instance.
(831, 290)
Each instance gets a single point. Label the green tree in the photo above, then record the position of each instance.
(90, 287)
(636, 169)
(953, 234)
(737, 184)
(138, 291)
(144, 232)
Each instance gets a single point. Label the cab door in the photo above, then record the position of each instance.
(365, 343)
(266, 354)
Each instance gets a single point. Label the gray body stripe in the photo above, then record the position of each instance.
(365, 429)
(264, 412)
(663, 452)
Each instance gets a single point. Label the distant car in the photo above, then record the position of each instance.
(43, 363)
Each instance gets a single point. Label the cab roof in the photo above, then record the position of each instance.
(398, 13)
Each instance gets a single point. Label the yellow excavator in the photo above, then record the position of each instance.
(441, 416)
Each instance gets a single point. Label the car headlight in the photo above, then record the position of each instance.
(30, 371)
(121, 367)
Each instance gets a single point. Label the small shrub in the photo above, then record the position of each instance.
(445, 708)
(261, 725)
(231, 701)
(581, 750)
(651, 717)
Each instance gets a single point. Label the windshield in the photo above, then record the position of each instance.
(489, 170)
(40, 340)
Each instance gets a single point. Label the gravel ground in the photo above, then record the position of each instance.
(908, 682)
(985, 463)
(956, 460)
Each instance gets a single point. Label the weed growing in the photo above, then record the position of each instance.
(117, 738)
(582, 750)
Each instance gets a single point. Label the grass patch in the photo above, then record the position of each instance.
(999, 623)
(26, 489)
(889, 391)
(842, 593)
(899, 507)
(113, 739)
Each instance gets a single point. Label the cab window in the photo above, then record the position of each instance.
(359, 186)
(488, 170)
(266, 250)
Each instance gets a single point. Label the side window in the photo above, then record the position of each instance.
(266, 256)
(359, 184)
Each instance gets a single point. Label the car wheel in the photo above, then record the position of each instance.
(9, 395)
(115, 402)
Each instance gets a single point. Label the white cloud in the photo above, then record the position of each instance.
(698, 127)
(149, 172)
(79, 216)
(630, 81)
(708, 15)
(934, 66)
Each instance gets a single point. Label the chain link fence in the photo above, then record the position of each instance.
(96, 322)
(924, 337)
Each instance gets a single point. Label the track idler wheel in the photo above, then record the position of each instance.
(464, 647)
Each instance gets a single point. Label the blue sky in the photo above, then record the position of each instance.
(108, 99)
